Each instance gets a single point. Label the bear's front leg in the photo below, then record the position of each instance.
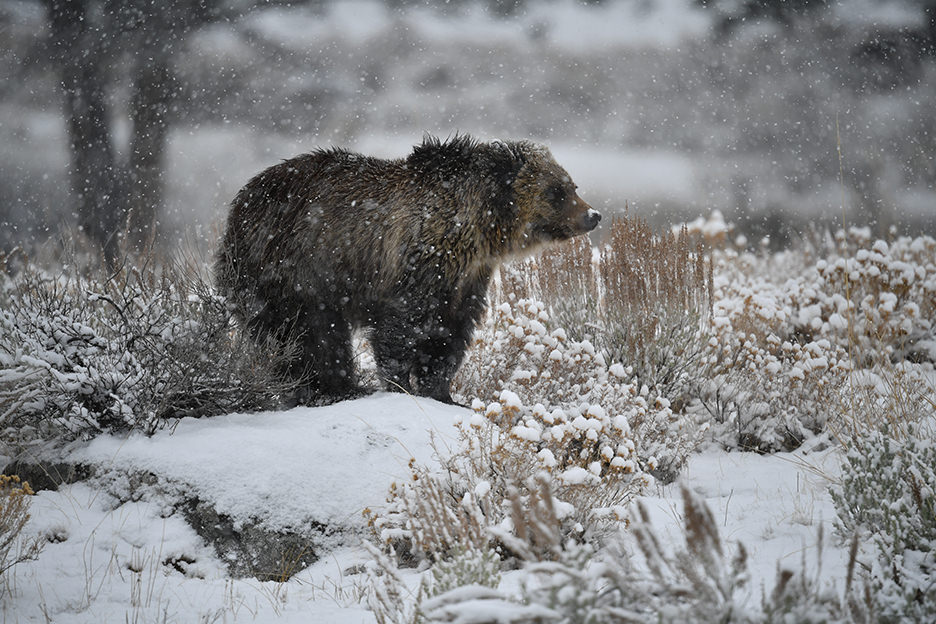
(433, 376)
(439, 355)
(414, 354)
(326, 358)
(446, 332)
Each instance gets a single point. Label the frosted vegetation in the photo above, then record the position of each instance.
(578, 407)
(629, 402)
(827, 344)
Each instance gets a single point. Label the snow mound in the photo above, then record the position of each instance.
(287, 469)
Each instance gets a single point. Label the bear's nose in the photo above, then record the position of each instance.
(592, 217)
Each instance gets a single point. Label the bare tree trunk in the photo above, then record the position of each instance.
(149, 111)
(86, 36)
(94, 174)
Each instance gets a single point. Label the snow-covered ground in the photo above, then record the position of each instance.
(139, 561)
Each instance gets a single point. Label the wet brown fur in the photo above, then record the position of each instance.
(332, 240)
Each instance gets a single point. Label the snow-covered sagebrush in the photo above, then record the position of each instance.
(81, 354)
(563, 397)
(888, 492)
(794, 333)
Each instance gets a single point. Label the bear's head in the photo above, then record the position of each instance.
(548, 206)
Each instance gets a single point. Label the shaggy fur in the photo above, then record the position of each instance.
(332, 240)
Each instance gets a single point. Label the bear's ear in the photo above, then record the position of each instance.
(506, 161)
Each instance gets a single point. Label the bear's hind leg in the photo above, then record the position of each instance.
(326, 362)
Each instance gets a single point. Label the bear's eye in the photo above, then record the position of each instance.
(556, 195)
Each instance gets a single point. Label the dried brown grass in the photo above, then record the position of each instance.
(642, 299)
(15, 498)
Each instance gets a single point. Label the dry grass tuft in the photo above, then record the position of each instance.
(642, 299)
(14, 514)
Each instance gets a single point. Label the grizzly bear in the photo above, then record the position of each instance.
(332, 241)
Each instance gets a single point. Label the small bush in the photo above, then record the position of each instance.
(702, 583)
(792, 332)
(657, 293)
(700, 580)
(388, 596)
(432, 517)
(559, 393)
(470, 504)
(620, 333)
(640, 299)
(802, 596)
(876, 299)
(763, 394)
(888, 491)
(465, 567)
(81, 355)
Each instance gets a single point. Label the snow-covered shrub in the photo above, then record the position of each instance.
(640, 299)
(879, 300)
(789, 329)
(802, 596)
(466, 566)
(80, 355)
(888, 491)
(645, 579)
(388, 596)
(14, 513)
(873, 299)
(762, 392)
(472, 502)
(761, 388)
(434, 517)
(701, 583)
(560, 396)
(565, 277)
(656, 293)
(621, 332)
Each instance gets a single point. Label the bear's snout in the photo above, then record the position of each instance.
(588, 217)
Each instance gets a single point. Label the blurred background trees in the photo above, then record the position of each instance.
(87, 39)
(132, 118)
